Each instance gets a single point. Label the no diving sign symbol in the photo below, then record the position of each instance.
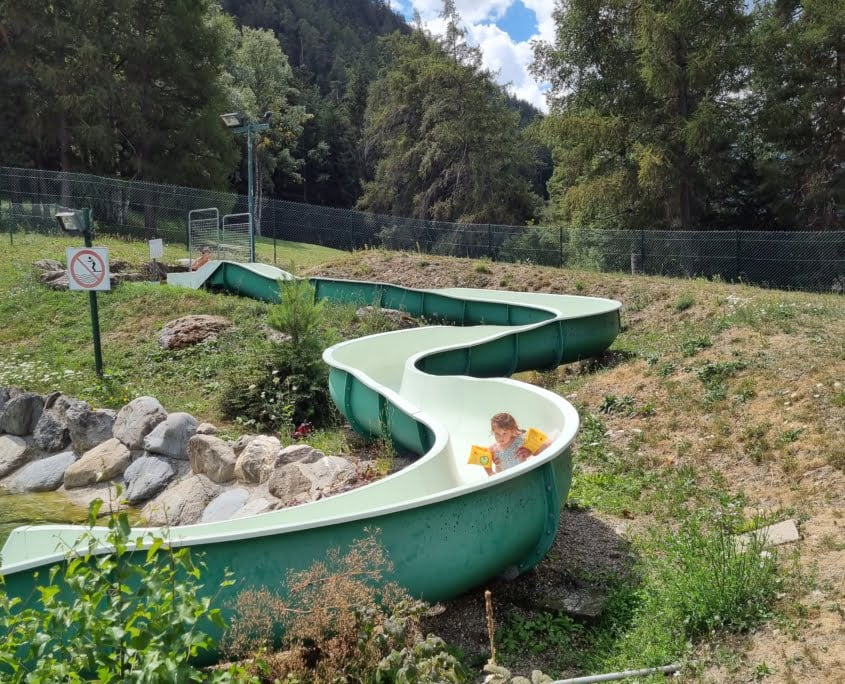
(88, 269)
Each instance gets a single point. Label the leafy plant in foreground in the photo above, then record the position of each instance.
(129, 615)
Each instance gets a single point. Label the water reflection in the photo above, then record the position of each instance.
(27, 509)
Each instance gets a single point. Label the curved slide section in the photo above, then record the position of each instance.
(446, 525)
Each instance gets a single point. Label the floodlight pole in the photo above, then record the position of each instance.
(248, 128)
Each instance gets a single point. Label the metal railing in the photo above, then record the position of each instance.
(801, 260)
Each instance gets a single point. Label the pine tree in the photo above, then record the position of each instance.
(442, 140)
(799, 106)
(644, 109)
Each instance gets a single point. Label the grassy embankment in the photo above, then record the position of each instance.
(719, 408)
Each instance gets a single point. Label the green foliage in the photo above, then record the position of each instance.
(683, 302)
(291, 386)
(706, 581)
(692, 345)
(539, 633)
(298, 312)
(613, 404)
(796, 101)
(425, 662)
(118, 88)
(259, 79)
(456, 153)
(129, 615)
(535, 245)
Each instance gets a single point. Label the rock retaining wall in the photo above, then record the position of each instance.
(173, 465)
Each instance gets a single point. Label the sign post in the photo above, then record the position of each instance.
(87, 269)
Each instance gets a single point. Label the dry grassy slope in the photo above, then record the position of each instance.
(777, 436)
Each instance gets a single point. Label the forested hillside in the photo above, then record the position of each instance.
(738, 123)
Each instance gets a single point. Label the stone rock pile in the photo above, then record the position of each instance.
(176, 467)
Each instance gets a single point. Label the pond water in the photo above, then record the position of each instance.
(27, 509)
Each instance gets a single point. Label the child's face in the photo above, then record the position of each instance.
(504, 436)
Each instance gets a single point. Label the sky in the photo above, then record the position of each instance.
(503, 29)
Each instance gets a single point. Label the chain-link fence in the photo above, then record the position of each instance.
(799, 260)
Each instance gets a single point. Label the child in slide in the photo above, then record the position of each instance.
(508, 450)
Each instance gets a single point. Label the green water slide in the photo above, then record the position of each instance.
(446, 525)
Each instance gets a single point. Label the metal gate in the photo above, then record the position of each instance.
(235, 240)
(203, 232)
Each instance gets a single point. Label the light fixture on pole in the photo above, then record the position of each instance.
(237, 123)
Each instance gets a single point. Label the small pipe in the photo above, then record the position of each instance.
(611, 676)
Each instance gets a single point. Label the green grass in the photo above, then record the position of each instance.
(46, 335)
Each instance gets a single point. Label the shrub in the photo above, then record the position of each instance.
(340, 621)
(292, 386)
(126, 616)
(289, 389)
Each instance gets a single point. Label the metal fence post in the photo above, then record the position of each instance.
(11, 237)
(736, 254)
(560, 246)
(642, 250)
(490, 242)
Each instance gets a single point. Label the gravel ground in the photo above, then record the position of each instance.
(587, 551)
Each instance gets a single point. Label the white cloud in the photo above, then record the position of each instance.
(501, 54)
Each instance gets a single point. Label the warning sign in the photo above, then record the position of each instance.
(88, 269)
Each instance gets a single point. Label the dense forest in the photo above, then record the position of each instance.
(699, 114)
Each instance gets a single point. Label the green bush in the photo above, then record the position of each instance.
(291, 387)
(713, 583)
(126, 616)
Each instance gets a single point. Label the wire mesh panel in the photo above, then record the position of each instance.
(235, 239)
(799, 259)
(203, 233)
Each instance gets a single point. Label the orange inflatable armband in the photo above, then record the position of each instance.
(534, 439)
(482, 456)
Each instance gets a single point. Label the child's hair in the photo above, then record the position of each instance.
(505, 421)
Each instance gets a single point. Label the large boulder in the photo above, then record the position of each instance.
(136, 420)
(20, 414)
(211, 456)
(170, 437)
(45, 474)
(328, 474)
(51, 432)
(104, 462)
(55, 280)
(48, 265)
(301, 481)
(190, 330)
(225, 505)
(258, 459)
(254, 506)
(88, 427)
(181, 504)
(289, 484)
(146, 477)
(14, 452)
(300, 453)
